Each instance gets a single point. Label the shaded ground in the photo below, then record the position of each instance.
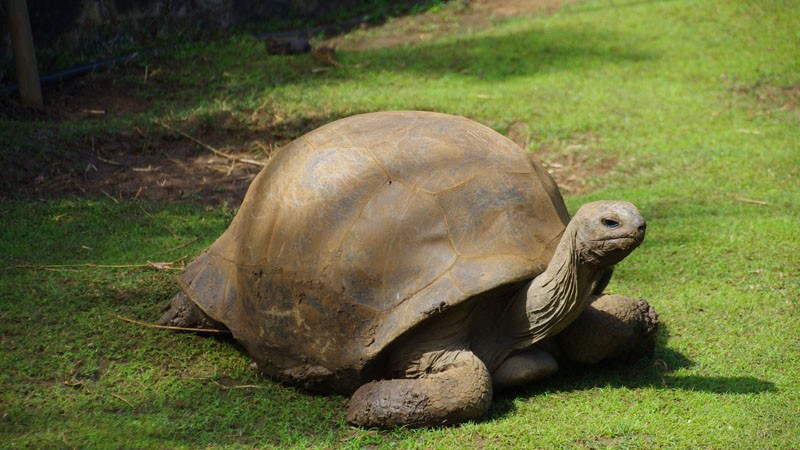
(155, 162)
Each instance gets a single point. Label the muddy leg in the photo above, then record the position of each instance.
(458, 392)
(612, 327)
(182, 312)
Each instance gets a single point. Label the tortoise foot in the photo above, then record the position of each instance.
(182, 312)
(460, 392)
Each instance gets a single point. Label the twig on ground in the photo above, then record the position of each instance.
(164, 265)
(167, 327)
(267, 149)
(751, 201)
(150, 265)
(146, 213)
(241, 386)
(122, 398)
(108, 161)
(149, 168)
(185, 244)
(662, 365)
(74, 383)
(252, 162)
(174, 235)
(109, 196)
(170, 158)
(64, 440)
(210, 148)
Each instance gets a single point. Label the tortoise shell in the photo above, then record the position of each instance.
(356, 232)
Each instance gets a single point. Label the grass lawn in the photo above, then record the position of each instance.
(688, 109)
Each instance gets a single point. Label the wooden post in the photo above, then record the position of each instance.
(19, 24)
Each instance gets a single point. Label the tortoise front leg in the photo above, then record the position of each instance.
(459, 391)
(612, 327)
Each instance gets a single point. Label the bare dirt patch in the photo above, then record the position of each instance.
(87, 98)
(126, 167)
(152, 160)
(98, 99)
(212, 162)
(508, 8)
(776, 98)
(466, 15)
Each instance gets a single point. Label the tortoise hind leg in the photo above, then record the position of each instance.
(182, 312)
(459, 392)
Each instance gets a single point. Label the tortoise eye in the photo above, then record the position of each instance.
(609, 223)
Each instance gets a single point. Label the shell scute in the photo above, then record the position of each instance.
(389, 255)
(492, 213)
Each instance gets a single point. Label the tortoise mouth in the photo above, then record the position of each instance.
(612, 250)
(622, 241)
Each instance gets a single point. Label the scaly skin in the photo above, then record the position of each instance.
(612, 327)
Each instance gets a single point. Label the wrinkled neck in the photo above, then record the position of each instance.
(556, 297)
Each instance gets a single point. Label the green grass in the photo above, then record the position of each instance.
(696, 101)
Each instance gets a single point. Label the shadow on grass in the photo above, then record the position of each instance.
(151, 164)
(644, 374)
(498, 57)
(194, 75)
(653, 373)
(237, 71)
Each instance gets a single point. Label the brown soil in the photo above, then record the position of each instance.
(155, 162)
(472, 15)
(158, 162)
(507, 8)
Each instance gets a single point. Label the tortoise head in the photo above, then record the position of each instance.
(607, 231)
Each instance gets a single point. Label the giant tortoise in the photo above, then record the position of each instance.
(416, 261)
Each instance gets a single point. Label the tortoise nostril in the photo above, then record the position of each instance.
(642, 227)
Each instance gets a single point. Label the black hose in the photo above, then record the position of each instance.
(76, 71)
